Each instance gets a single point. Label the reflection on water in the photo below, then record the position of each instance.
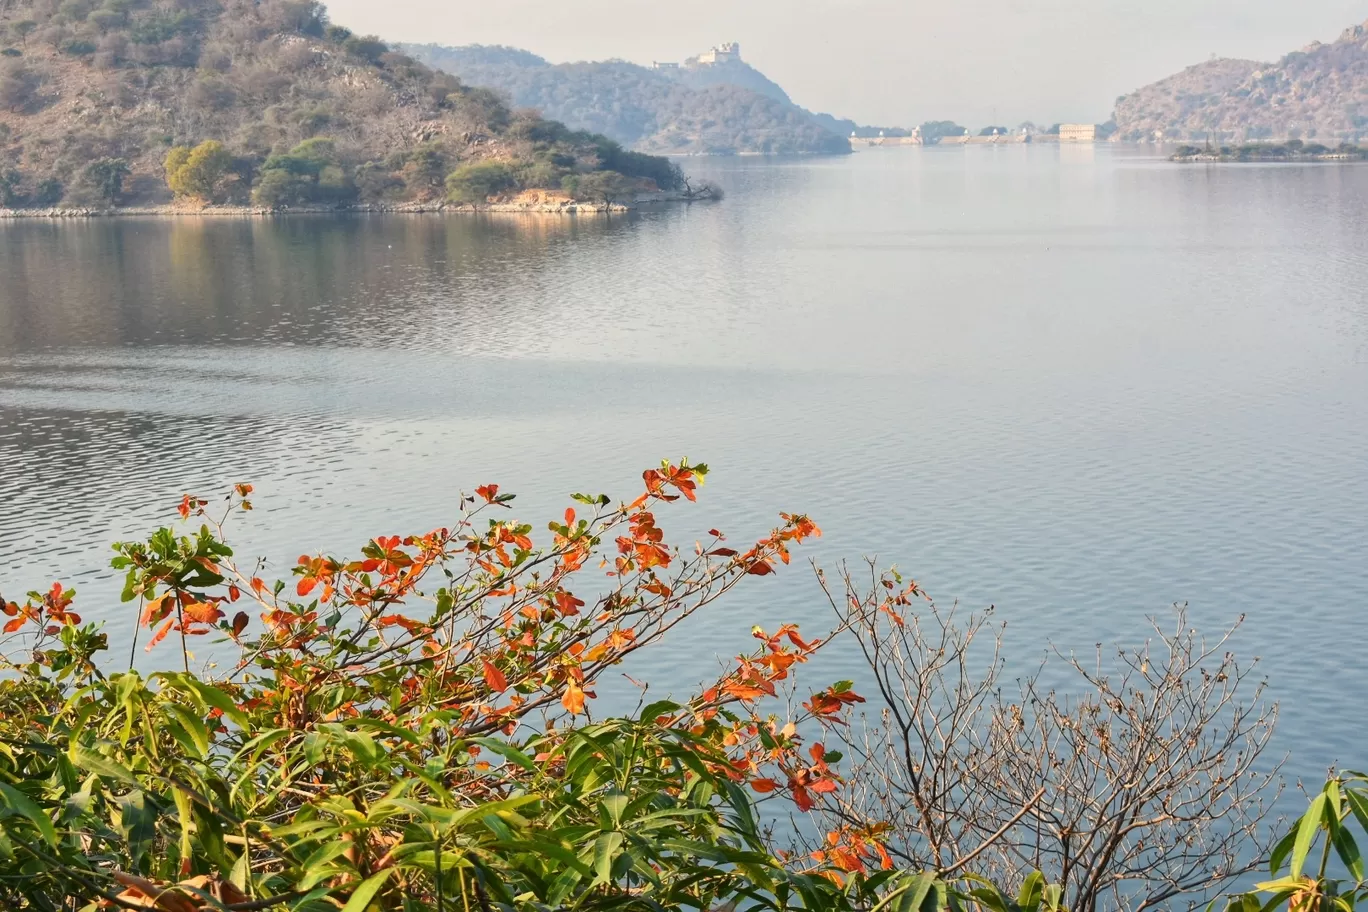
(305, 281)
(1075, 383)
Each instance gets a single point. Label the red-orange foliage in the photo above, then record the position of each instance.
(505, 635)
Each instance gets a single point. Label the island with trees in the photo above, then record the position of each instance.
(1293, 150)
(265, 105)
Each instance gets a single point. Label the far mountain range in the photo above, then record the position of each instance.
(1317, 93)
(714, 103)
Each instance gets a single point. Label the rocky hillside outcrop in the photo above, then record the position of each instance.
(94, 94)
(1318, 93)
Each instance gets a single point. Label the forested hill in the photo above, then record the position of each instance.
(1318, 93)
(119, 101)
(716, 108)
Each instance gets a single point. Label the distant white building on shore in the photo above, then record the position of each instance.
(657, 65)
(1077, 133)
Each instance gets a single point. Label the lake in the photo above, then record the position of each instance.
(1079, 384)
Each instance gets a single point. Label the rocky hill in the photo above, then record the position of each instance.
(1318, 93)
(119, 101)
(709, 107)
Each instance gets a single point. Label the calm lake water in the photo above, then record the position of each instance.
(1077, 384)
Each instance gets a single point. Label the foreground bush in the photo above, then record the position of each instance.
(410, 729)
(414, 729)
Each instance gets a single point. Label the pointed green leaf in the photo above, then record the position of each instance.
(1306, 833)
(25, 807)
(362, 896)
(605, 848)
(1281, 851)
(1348, 851)
(1032, 888)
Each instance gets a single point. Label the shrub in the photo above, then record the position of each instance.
(106, 178)
(49, 192)
(10, 195)
(368, 48)
(369, 752)
(424, 169)
(478, 181)
(607, 187)
(198, 173)
(311, 172)
(19, 85)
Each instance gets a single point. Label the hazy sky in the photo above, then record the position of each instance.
(893, 61)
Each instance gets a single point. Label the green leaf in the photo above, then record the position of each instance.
(218, 700)
(1306, 833)
(189, 729)
(507, 751)
(613, 805)
(1348, 851)
(24, 806)
(1281, 851)
(137, 821)
(658, 709)
(1358, 803)
(916, 895)
(83, 758)
(1032, 889)
(364, 893)
(605, 848)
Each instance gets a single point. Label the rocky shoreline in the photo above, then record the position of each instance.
(536, 206)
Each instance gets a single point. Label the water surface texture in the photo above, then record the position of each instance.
(1077, 384)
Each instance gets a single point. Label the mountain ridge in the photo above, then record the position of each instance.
(1319, 92)
(703, 106)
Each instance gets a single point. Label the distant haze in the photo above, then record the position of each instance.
(894, 62)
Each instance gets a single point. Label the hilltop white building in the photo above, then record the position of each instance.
(723, 53)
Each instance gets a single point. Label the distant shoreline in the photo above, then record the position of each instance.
(171, 210)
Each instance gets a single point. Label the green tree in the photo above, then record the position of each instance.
(10, 194)
(933, 130)
(478, 181)
(49, 192)
(23, 29)
(367, 47)
(607, 187)
(424, 170)
(106, 177)
(198, 173)
(18, 85)
(311, 172)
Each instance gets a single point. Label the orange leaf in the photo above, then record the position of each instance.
(155, 610)
(573, 700)
(488, 492)
(764, 786)
(759, 568)
(494, 678)
(306, 585)
(161, 633)
(202, 613)
(15, 624)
